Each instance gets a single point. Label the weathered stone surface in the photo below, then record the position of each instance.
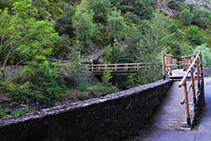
(207, 71)
(112, 117)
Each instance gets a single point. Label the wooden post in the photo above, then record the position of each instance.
(190, 60)
(170, 62)
(183, 62)
(99, 67)
(194, 58)
(163, 66)
(201, 64)
(115, 67)
(186, 62)
(186, 103)
(166, 63)
(193, 86)
(197, 66)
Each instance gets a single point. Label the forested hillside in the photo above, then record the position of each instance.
(35, 32)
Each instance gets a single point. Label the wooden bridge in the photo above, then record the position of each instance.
(186, 89)
(187, 73)
(121, 68)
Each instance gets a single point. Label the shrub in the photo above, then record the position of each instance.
(186, 17)
(193, 34)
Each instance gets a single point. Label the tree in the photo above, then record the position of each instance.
(193, 34)
(64, 22)
(100, 14)
(83, 25)
(115, 25)
(32, 40)
(206, 55)
(133, 41)
(186, 17)
(151, 44)
(23, 34)
(143, 8)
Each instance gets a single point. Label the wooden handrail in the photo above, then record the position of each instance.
(186, 74)
(167, 64)
(191, 85)
(116, 67)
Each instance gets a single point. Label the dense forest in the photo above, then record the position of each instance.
(35, 33)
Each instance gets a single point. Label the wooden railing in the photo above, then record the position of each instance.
(194, 74)
(168, 64)
(118, 67)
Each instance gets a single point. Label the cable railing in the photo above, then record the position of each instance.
(195, 63)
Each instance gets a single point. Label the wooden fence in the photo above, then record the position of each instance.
(118, 67)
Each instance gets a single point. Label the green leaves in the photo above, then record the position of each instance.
(84, 27)
(115, 25)
(193, 34)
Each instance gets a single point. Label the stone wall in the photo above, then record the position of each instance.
(112, 117)
(207, 71)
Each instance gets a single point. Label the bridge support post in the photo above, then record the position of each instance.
(193, 86)
(186, 104)
(163, 66)
(201, 64)
(198, 79)
(170, 62)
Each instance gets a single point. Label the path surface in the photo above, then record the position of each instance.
(171, 114)
(202, 134)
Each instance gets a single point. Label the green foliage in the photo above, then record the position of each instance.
(32, 40)
(143, 8)
(186, 49)
(6, 4)
(62, 46)
(133, 18)
(173, 27)
(206, 55)
(48, 9)
(84, 27)
(200, 17)
(114, 54)
(26, 110)
(186, 17)
(193, 34)
(64, 22)
(100, 8)
(151, 45)
(1, 112)
(133, 41)
(116, 26)
(78, 73)
(106, 76)
(100, 35)
(130, 81)
(84, 94)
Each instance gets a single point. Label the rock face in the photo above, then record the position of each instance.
(112, 117)
(165, 9)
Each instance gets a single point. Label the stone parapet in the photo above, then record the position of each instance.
(112, 117)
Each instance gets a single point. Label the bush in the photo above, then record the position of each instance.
(173, 27)
(193, 34)
(186, 17)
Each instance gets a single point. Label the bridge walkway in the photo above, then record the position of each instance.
(171, 114)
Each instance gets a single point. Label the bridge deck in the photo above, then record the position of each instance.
(171, 114)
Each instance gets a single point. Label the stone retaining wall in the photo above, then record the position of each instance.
(112, 117)
(207, 71)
